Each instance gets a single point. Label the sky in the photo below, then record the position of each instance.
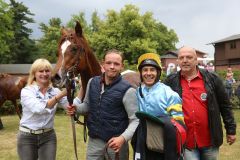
(196, 22)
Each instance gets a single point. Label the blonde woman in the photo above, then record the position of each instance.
(36, 138)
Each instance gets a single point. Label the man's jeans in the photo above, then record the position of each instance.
(206, 153)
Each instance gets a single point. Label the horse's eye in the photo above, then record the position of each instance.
(74, 50)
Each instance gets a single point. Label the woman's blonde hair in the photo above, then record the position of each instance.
(38, 64)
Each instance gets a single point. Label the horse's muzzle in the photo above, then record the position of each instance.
(58, 81)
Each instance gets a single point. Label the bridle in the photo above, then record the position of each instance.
(70, 86)
(79, 51)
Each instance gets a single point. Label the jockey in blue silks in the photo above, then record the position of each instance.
(157, 102)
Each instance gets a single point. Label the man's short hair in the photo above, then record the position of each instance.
(114, 51)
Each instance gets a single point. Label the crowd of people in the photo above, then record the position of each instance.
(179, 118)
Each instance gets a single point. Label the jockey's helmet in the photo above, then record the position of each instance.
(149, 59)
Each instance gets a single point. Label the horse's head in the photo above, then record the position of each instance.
(72, 51)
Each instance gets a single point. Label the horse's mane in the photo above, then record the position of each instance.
(91, 59)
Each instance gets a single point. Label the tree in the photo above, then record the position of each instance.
(80, 17)
(96, 22)
(48, 43)
(6, 33)
(132, 33)
(22, 48)
(127, 30)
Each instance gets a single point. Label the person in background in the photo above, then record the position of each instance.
(229, 73)
(36, 139)
(110, 103)
(201, 66)
(159, 101)
(171, 68)
(210, 67)
(205, 101)
(229, 82)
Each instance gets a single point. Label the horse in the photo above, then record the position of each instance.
(76, 57)
(10, 89)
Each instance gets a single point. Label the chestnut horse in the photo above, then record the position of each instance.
(75, 57)
(10, 89)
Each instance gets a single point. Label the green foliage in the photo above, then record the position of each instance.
(65, 149)
(6, 33)
(81, 18)
(7, 108)
(163, 76)
(21, 47)
(48, 43)
(236, 75)
(132, 33)
(127, 31)
(96, 22)
(129, 66)
(235, 101)
(78, 17)
(222, 74)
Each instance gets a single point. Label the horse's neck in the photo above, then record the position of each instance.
(93, 68)
(23, 82)
(89, 73)
(94, 65)
(85, 76)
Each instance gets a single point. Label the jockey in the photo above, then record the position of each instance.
(157, 103)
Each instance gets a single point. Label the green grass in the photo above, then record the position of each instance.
(63, 128)
(65, 149)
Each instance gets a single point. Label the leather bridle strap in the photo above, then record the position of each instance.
(70, 86)
(108, 156)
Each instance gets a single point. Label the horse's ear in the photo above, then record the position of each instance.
(78, 29)
(63, 31)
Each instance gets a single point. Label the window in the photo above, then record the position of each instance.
(233, 45)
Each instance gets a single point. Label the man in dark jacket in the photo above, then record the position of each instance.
(204, 102)
(111, 103)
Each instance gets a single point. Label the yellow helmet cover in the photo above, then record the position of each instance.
(149, 56)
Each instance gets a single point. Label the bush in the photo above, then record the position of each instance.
(163, 76)
(235, 102)
(222, 74)
(7, 108)
(130, 66)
